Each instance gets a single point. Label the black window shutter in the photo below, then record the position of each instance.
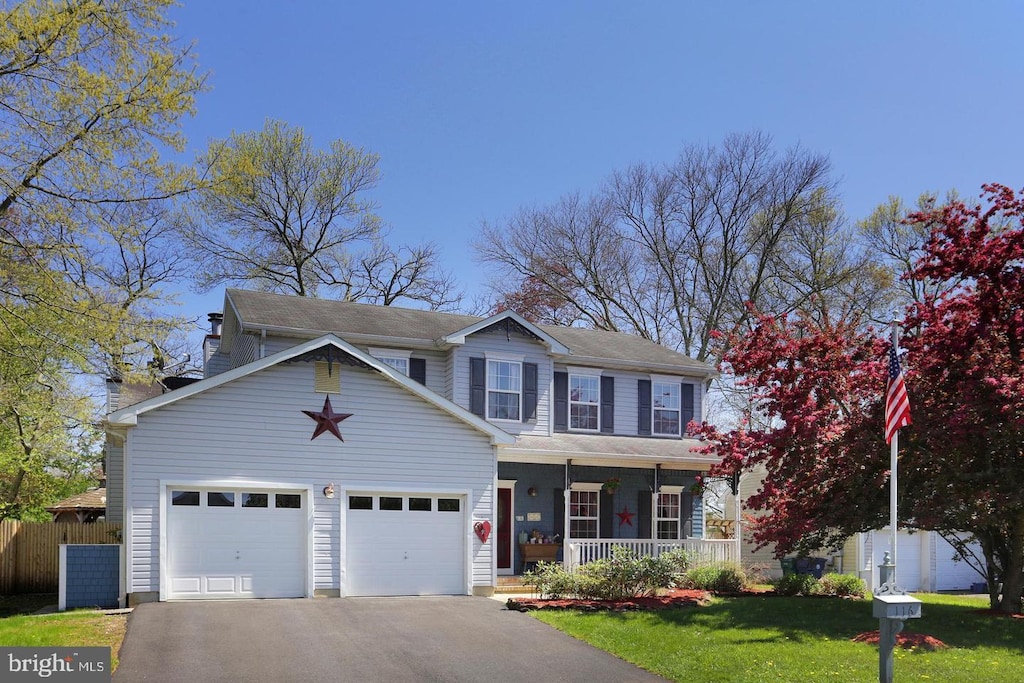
(608, 405)
(643, 400)
(418, 370)
(643, 514)
(686, 511)
(529, 391)
(605, 516)
(561, 401)
(559, 513)
(687, 405)
(477, 386)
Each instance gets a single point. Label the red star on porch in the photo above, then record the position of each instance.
(625, 517)
(327, 420)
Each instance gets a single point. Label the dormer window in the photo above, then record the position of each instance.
(504, 389)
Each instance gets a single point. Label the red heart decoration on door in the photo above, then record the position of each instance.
(483, 530)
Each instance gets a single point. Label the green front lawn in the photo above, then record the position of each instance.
(800, 639)
(80, 628)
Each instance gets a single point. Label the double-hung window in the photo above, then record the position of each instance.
(399, 360)
(667, 513)
(583, 513)
(504, 389)
(666, 402)
(584, 402)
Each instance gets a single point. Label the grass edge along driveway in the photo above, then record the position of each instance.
(77, 628)
(750, 639)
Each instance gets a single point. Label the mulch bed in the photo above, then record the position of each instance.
(671, 599)
(907, 641)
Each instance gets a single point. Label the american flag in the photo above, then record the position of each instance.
(897, 401)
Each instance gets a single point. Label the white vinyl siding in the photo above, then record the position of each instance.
(245, 349)
(531, 351)
(115, 480)
(253, 429)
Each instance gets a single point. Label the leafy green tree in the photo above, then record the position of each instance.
(90, 93)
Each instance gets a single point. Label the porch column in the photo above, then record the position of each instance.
(567, 495)
(654, 505)
(738, 533)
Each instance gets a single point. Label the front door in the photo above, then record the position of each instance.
(504, 535)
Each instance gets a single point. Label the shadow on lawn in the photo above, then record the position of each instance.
(796, 619)
(15, 605)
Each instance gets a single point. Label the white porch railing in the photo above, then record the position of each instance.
(704, 551)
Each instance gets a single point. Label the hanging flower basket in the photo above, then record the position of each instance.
(611, 485)
(698, 486)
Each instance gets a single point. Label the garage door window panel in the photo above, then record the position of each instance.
(448, 505)
(420, 505)
(254, 500)
(288, 500)
(185, 498)
(220, 499)
(360, 502)
(390, 503)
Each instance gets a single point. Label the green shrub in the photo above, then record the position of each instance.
(842, 585)
(623, 575)
(796, 584)
(678, 560)
(725, 577)
(551, 580)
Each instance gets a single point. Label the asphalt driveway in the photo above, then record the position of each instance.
(356, 639)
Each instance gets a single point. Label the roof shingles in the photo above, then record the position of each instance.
(316, 316)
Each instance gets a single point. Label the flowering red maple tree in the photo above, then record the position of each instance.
(819, 392)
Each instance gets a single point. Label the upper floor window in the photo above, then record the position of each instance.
(399, 360)
(504, 390)
(666, 402)
(584, 402)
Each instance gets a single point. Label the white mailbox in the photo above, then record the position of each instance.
(898, 607)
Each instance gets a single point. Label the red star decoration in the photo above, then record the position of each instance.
(625, 517)
(327, 420)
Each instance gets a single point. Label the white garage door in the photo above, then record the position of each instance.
(404, 544)
(908, 560)
(950, 574)
(236, 543)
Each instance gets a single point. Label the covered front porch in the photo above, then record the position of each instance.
(573, 497)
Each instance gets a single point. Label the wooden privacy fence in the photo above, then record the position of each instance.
(30, 552)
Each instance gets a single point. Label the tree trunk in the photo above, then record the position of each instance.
(1013, 568)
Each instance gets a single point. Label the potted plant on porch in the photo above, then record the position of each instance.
(610, 485)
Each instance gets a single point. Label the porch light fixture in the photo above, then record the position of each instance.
(532, 492)
(329, 490)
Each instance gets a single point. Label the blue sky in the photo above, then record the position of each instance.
(479, 108)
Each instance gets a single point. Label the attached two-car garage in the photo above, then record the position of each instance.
(253, 543)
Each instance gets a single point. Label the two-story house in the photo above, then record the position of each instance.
(335, 448)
